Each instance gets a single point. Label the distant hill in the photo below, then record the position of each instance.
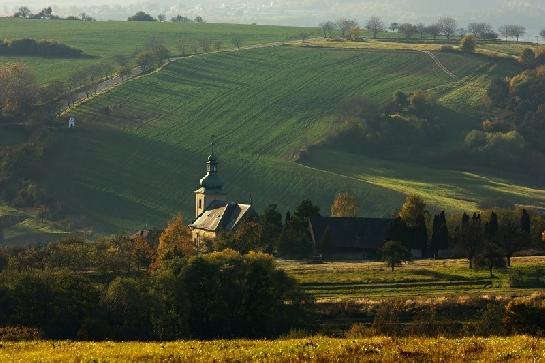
(139, 150)
(103, 40)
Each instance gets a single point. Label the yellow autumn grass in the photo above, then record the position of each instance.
(312, 349)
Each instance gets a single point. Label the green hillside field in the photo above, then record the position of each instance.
(104, 39)
(140, 149)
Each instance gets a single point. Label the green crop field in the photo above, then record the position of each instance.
(312, 349)
(104, 39)
(140, 149)
(360, 281)
(444, 188)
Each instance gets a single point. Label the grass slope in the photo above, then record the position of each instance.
(312, 349)
(361, 281)
(140, 149)
(104, 39)
(445, 188)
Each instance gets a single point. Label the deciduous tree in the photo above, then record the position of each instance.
(345, 25)
(434, 30)
(413, 207)
(394, 253)
(448, 26)
(408, 30)
(328, 28)
(18, 87)
(375, 25)
(237, 42)
(345, 204)
(175, 239)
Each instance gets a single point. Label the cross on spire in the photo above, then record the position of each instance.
(212, 143)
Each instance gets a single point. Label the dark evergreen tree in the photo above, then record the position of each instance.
(525, 227)
(399, 232)
(469, 237)
(271, 224)
(439, 239)
(420, 236)
(491, 228)
(306, 210)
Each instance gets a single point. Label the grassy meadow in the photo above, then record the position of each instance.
(312, 349)
(450, 189)
(140, 149)
(361, 281)
(104, 39)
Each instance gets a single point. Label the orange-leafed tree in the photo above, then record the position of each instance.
(345, 205)
(175, 239)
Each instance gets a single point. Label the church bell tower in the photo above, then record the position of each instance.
(211, 187)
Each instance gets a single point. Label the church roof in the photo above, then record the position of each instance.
(221, 216)
(352, 233)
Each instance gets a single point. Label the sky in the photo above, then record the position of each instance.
(305, 12)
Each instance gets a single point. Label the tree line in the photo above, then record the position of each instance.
(445, 26)
(143, 16)
(24, 12)
(218, 295)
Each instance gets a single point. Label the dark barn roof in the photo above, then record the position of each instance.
(351, 233)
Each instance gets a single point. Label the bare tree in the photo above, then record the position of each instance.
(408, 30)
(517, 31)
(161, 17)
(345, 25)
(434, 30)
(327, 28)
(394, 26)
(504, 31)
(205, 45)
(122, 65)
(218, 45)
(542, 33)
(182, 46)
(375, 25)
(480, 30)
(421, 28)
(448, 27)
(194, 48)
(303, 36)
(237, 42)
(462, 32)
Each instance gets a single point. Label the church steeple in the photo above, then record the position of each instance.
(211, 186)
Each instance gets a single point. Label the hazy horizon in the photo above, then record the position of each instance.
(307, 12)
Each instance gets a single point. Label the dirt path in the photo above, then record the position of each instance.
(439, 64)
(114, 81)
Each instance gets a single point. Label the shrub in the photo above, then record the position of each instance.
(230, 295)
(490, 320)
(527, 57)
(43, 48)
(19, 333)
(447, 49)
(359, 330)
(526, 315)
(468, 44)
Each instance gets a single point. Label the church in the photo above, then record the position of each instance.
(213, 214)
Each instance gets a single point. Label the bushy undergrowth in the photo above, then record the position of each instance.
(451, 317)
(218, 295)
(43, 48)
